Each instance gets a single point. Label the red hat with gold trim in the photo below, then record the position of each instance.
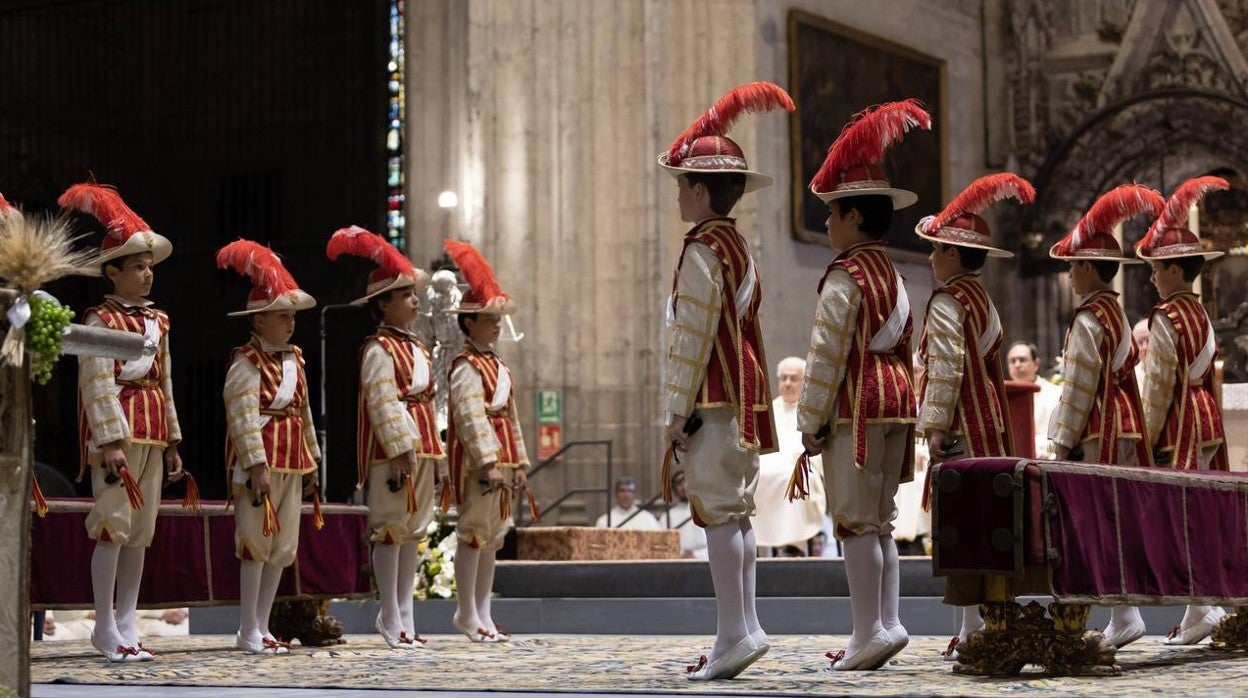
(704, 147)
(1170, 238)
(1093, 236)
(394, 270)
(484, 295)
(8, 212)
(852, 167)
(127, 233)
(960, 224)
(272, 287)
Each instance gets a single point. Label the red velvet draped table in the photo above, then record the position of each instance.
(192, 562)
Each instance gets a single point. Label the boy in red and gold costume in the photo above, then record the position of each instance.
(717, 367)
(271, 448)
(399, 448)
(962, 406)
(489, 463)
(1182, 417)
(127, 420)
(1099, 418)
(857, 400)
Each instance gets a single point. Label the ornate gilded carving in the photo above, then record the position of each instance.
(1232, 632)
(1015, 636)
(308, 621)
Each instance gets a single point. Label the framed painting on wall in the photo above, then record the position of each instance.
(836, 72)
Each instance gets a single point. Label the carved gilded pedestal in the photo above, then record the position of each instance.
(1232, 632)
(308, 621)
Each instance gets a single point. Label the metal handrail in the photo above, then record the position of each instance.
(646, 507)
(605, 489)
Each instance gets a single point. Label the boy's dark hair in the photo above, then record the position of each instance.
(1035, 351)
(724, 188)
(876, 211)
(463, 321)
(374, 303)
(117, 263)
(972, 258)
(1106, 270)
(1191, 266)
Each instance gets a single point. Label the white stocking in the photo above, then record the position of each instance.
(269, 581)
(249, 574)
(890, 586)
(103, 582)
(467, 560)
(1193, 615)
(129, 577)
(485, 588)
(724, 547)
(409, 561)
(971, 621)
(386, 569)
(864, 567)
(1122, 616)
(749, 576)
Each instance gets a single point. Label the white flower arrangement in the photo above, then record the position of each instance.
(435, 577)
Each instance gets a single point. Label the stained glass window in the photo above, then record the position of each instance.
(396, 118)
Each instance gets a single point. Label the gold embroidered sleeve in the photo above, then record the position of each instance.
(698, 300)
(522, 453)
(472, 427)
(1081, 374)
(392, 427)
(242, 412)
(830, 344)
(1161, 369)
(309, 433)
(98, 389)
(946, 362)
(166, 387)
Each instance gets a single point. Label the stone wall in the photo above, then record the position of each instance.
(546, 116)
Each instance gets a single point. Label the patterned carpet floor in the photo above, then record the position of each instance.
(620, 664)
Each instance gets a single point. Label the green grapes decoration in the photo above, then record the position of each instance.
(44, 331)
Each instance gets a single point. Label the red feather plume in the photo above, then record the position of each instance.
(358, 242)
(1115, 206)
(982, 193)
(258, 262)
(477, 272)
(1174, 215)
(867, 136)
(105, 204)
(4, 204)
(753, 97)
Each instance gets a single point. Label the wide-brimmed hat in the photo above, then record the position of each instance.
(394, 270)
(484, 295)
(705, 147)
(1092, 239)
(272, 286)
(852, 166)
(1169, 237)
(960, 224)
(126, 234)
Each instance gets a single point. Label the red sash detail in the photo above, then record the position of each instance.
(284, 447)
(142, 401)
(736, 372)
(1194, 418)
(399, 347)
(981, 415)
(1116, 409)
(878, 387)
(487, 364)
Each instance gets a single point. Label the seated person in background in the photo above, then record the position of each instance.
(817, 545)
(680, 517)
(152, 622)
(626, 506)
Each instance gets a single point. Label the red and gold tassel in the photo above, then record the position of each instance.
(504, 504)
(447, 497)
(271, 525)
(132, 488)
(317, 519)
(667, 473)
(799, 481)
(927, 489)
(41, 502)
(535, 512)
(410, 486)
(191, 499)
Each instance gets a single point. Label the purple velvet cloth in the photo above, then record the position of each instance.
(192, 562)
(1111, 534)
